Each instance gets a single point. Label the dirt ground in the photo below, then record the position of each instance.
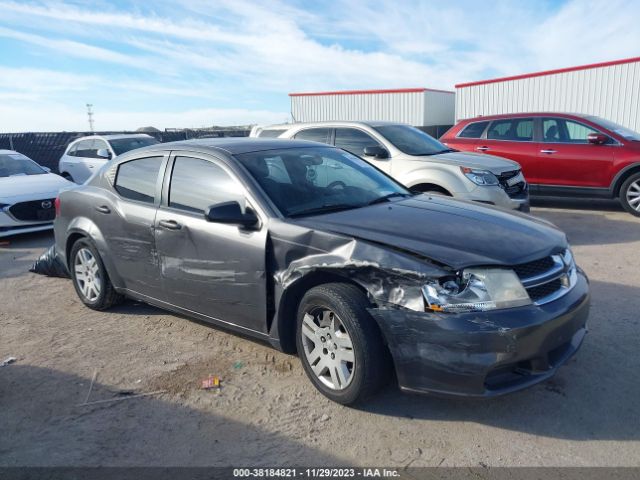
(267, 413)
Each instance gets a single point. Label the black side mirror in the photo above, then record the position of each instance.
(231, 214)
(376, 151)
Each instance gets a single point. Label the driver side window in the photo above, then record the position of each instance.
(354, 141)
(197, 184)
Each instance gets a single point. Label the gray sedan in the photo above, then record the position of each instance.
(357, 277)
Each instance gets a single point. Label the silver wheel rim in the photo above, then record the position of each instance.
(328, 348)
(87, 274)
(633, 196)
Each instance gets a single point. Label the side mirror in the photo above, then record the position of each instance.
(597, 138)
(376, 151)
(230, 213)
(103, 153)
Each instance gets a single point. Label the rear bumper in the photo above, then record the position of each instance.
(485, 354)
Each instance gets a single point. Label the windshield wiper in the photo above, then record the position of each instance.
(385, 198)
(332, 207)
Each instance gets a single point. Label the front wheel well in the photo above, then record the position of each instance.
(618, 185)
(430, 187)
(291, 300)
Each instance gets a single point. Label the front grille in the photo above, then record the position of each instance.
(542, 291)
(548, 278)
(519, 190)
(34, 211)
(532, 269)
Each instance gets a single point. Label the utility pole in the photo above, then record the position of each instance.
(90, 116)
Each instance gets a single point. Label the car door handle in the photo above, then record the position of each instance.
(548, 152)
(103, 209)
(169, 224)
(482, 149)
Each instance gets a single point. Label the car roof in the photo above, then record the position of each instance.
(524, 114)
(5, 152)
(232, 145)
(113, 136)
(340, 123)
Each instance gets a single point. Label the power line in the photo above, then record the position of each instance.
(90, 116)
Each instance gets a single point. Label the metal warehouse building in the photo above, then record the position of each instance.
(610, 90)
(432, 110)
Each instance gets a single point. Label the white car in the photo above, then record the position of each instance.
(415, 159)
(27, 194)
(86, 155)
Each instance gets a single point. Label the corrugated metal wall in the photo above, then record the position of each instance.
(422, 108)
(611, 92)
(440, 108)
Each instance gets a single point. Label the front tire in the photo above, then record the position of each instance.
(90, 278)
(630, 195)
(339, 344)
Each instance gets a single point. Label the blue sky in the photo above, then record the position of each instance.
(197, 63)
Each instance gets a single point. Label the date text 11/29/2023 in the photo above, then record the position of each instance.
(315, 473)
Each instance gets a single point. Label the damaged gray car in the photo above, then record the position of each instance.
(318, 253)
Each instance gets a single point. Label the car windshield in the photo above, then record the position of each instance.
(12, 164)
(615, 128)
(310, 181)
(121, 145)
(412, 141)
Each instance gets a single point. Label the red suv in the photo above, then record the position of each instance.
(561, 154)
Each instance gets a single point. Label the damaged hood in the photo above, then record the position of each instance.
(452, 232)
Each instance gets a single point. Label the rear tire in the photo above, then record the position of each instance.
(339, 343)
(90, 278)
(630, 194)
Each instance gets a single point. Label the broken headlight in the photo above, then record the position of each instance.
(476, 290)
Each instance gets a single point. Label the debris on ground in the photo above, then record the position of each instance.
(324, 417)
(93, 380)
(211, 382)
(7, 361)
(238, 365)
(50, 265)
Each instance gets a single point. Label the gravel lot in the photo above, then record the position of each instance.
(267, 413)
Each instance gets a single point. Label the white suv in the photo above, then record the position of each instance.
(417, 160)
(86, 155)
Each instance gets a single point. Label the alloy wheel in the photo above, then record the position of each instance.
(328, 348)
(633, 195)
(87, 274)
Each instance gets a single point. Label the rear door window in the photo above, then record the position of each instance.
(354, 141)
(473, 130)
(197, 184)
(514, 129)
(137, 179)
(322, 135)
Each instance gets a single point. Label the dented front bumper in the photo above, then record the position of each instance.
(484, 354)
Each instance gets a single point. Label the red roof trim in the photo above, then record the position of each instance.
(369, 92)
(551, 72)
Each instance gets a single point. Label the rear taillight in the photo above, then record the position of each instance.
(56, 204)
